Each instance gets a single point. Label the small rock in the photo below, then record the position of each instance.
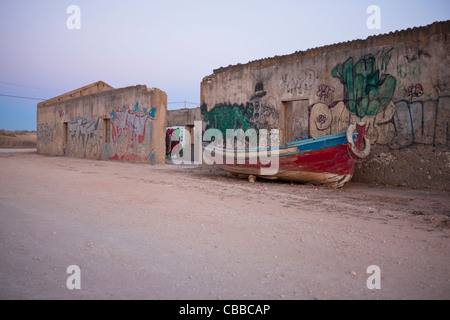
(353, 273)
(419, 213)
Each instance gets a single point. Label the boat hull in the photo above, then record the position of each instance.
(327, 160)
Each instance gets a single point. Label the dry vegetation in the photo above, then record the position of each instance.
(18, 139)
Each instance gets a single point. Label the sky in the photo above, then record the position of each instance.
(170, 45)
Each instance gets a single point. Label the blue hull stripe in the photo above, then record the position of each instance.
(304, 145)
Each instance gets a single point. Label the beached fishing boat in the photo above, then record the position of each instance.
(328, 160)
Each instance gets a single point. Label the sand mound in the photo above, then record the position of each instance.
(18, 139)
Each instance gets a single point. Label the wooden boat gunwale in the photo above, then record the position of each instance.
(339, 138)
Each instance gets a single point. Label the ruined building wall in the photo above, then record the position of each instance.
(124, 124)
(398, 83)
(183, 117)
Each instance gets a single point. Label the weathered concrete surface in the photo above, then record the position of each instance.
(95, 87)
(164, 232)
(398, 83)
(122, 124)
(183, 117)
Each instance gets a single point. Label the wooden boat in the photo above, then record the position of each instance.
(328, 160)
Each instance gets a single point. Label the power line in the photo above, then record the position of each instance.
(187, 102)
(20, 97)
(42, 99)
(25, 86)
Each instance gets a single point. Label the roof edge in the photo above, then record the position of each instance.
(439, 27)
(80, 92)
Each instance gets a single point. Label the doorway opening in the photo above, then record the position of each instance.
(65, 137)
(295, 120)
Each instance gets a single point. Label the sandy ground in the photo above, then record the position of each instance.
(164, 232)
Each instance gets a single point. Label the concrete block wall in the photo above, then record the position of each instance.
(398, 83)
(183, 117)
(125, 124)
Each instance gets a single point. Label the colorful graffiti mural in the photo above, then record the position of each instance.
(227, 116)
(130, 134)
(384, 88)
(416, 117)
(366, 90)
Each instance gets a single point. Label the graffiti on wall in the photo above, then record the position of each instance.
(325, 93)
(227, 116)
(385, 89)
(366, 89)
(300, 129)
(422, 122)
(61, 113)
(131, 134)
(335, 117)
(258, 113)
(300, 84)
(414, 91)
(45, 132)
(409, 69)
(174, 142)
(414, 117)
(84, 136)
(398, 125)
(385, 59)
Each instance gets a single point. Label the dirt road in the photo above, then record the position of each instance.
(164, 232)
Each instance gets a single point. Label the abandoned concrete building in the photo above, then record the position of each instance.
(398, 83)
(103, 123)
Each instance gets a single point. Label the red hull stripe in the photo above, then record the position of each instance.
(334, 160)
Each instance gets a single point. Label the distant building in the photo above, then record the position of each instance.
(100, 122)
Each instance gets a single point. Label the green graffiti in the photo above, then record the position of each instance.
(256, 114)
(226, 116)
(365, 90)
